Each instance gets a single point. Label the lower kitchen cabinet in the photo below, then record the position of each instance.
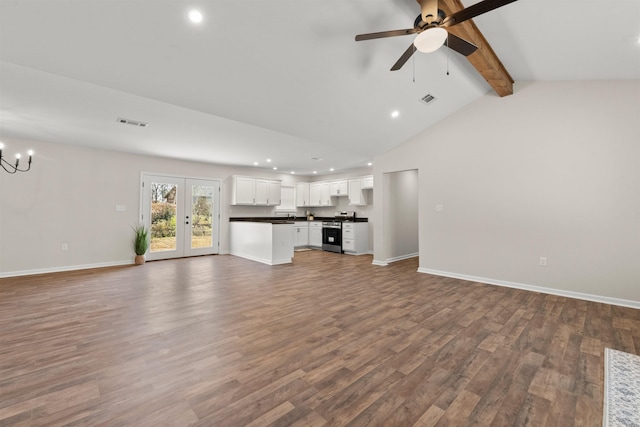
(300, 234)
(355, 238)
(315, 234)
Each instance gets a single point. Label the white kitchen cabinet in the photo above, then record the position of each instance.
(319, 194)
(315, 234)
(302, 195)
(367, 182)
(255, 191)
(262, 192)
(301, 234)
(287, 199)
(243, 191)
(355, 238)
(357, 196)
(338, 188)
(274, 193)
(315, 194)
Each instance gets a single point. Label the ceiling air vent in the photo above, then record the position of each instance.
(132, 122)
(428, 99)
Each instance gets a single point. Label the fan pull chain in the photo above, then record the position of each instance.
(413, 62)
(447, 53)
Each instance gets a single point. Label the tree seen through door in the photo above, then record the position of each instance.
(163, 216)
(201, 216)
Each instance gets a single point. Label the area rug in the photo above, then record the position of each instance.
(621, 389)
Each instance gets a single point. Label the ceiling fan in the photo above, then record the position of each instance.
(430, 27)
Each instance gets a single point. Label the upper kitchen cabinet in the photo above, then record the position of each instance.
(268, 192)
(357, 193)
(367, 182)
(255, 191)
(302, 195)
(243, 191)
(338, 188)
(287, 199)
(319, 194)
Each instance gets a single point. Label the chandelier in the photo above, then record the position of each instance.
(13, 168)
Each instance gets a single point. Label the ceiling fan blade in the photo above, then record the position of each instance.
(473, 11)
(383, 34)
(460, 45)
(404, 58)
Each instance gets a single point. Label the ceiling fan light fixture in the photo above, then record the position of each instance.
(430, 39)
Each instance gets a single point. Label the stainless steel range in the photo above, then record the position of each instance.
(332, 231)
(332, 236)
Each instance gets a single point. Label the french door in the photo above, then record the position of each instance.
(182, 216)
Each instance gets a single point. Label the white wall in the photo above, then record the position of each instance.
(551, 171)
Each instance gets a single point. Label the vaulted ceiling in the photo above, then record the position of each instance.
(282, 79)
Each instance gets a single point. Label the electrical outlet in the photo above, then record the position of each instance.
(439, 208)
(543, 261)
(64, 247)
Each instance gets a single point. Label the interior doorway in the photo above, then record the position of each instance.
(401, 213)
(182, 216)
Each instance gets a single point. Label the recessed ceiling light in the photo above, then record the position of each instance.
(293, 173)
(369, 164)
(395, 113)
(275, 168)
(195, 16)
(255, 163)
(268, 160)
(315, 171)
(331, 169)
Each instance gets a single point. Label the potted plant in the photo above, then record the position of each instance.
(140, 243)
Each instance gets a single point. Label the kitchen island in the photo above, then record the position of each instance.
(266, 241)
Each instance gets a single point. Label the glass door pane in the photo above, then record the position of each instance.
(201, 216)
(163, 216)
(163, 210)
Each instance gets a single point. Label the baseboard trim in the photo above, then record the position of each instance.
(388, 261)
(64, 268)
(402, 257)
(541, 289)
(262, 260)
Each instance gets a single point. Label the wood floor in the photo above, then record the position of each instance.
(329, 340)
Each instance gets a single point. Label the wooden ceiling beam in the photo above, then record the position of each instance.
(484, 59)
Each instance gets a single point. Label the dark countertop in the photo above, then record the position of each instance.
(280, 220)
(263, 219)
